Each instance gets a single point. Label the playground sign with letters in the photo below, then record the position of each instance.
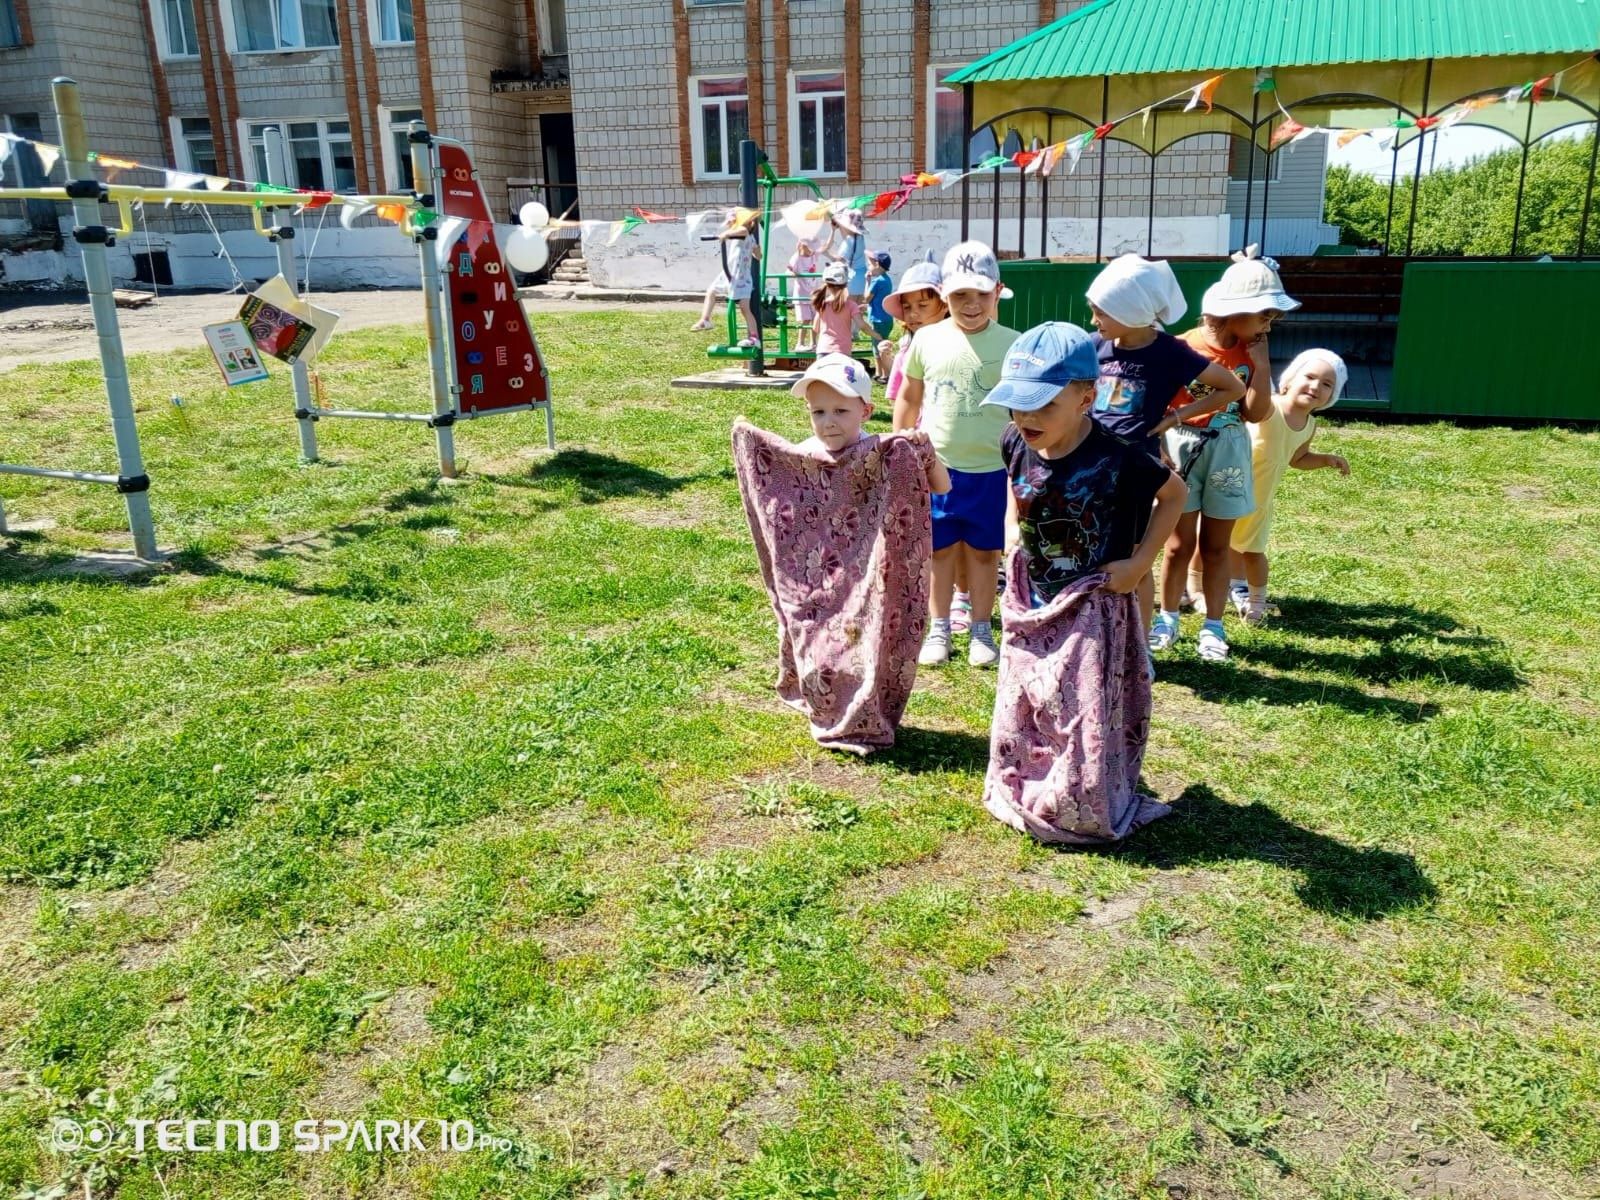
(497, 362)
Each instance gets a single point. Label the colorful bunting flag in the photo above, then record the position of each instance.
(395, 213)
(1287, 132)
(1203, 93)
(1264, 82)
(349, 212)
(1100, 131)
(652, 217)
(184, 181)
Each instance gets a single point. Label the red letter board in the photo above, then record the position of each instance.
(497, 363)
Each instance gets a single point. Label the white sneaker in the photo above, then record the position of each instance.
(1212, 646)
(935, 649)
(981, 650)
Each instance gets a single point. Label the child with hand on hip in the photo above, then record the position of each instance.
(950, 370)
(1142, 366)
(1206, 441)
(1311, 384)
(1086, 512)
(740, 248)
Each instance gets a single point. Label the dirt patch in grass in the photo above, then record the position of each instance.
(1415, 1140)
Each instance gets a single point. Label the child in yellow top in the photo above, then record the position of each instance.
(1310, 384)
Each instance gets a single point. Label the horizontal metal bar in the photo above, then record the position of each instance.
(474, 414)
(370, 416)
(119, 191)
(48, 473)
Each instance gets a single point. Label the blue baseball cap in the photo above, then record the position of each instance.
(1040, 363)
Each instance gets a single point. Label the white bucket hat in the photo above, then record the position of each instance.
(1250, 285)
(840, 372)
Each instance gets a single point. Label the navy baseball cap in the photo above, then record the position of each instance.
(1040, 363)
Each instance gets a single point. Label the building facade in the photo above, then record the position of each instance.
(593, 107)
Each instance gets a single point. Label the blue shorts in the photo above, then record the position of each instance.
(972, 511)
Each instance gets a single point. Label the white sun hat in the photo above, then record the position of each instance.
(1250, 285)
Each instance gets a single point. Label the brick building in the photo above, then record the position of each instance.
(602, 106)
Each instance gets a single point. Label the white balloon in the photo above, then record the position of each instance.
(533, 215)
(526, 250)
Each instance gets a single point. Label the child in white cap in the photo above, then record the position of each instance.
(951, 369)
(1142, 366)
(1311, 384)
(1209, 446)
(838, 317)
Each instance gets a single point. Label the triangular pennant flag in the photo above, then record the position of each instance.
(1100, 131)
(1023, 158)
(857, 203)
(1052, 155)
(316, 200)
(993, 161)
(924, 179)
(48, 156)
(184, 181)
(1385, 136)
(449, 234)
(693, 221)
(391, 212)
(1536, 89)
(1426, 123)
(1350, 135)
(820, 212)
(1310, 131)
(217, 183)
(1264, 82)
(1073, 150)
(1555, 84)
(653, 217)
(1512, 96)
(1286, 132)
(351, 211)
(1203, 93)
(1144, 121)
(948, 179)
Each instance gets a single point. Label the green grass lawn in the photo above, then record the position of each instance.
(394, 800)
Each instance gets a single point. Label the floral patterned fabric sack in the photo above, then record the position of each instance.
(1071, 715)
(844, 542)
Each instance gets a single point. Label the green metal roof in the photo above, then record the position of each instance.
(1140, 37)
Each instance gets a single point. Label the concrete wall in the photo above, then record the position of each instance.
(661, 256)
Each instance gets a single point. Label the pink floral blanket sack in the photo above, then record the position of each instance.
(844, 541)
(1071, 715)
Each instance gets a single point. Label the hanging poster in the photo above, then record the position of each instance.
(277, 332)
(235, 353)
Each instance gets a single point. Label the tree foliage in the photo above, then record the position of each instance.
(1471, 209)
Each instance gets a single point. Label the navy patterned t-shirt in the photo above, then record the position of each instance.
(1082, 511)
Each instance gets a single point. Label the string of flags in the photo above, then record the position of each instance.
(1041, 161)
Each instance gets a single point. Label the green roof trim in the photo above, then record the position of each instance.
(1155, 37)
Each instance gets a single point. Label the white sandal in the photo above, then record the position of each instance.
(1212, 646)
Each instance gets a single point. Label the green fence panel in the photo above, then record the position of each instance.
(1513, 340)
(1047, 291)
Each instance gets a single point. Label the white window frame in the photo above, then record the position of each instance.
(795, 101)
(375, 23)
(230, 31)
(163, 32)
(386, 121)
(697, 124)
(181, 143)
(248, 125)
(547, 27)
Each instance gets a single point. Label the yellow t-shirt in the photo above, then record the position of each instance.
(958, 370)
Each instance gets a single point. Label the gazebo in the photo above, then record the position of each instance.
(1156, 73)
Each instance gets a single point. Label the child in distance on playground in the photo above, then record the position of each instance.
(802, 276)
(1311, 384)
(838, 316)
(739, 246)
(879, 285)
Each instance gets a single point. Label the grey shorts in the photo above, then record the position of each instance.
(1217, 469)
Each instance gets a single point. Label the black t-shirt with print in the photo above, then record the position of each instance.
(1082, 511)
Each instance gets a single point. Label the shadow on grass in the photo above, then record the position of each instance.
(1233, 682)
(1335, 878)
(920, 751)
(1375, 622)
(598, 476)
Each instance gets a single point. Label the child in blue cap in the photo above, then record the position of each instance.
(1072, 705)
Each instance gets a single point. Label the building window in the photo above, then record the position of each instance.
(199, 150)
(392, 20)
(1239, 165)
(320, 158)
(553, 26)
(947, 125)
(721, 122)
(400, 178)
(176, 25)
(20, 168)
(819, 121)
(284, 24)
(10, 27)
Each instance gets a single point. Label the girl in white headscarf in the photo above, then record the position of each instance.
(1141, 366)
(1311, 383)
